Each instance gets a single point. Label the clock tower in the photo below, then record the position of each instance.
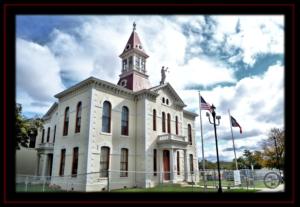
(134, 74)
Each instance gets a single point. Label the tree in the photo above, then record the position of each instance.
(270, 154)
(25, 127)
(249, 158)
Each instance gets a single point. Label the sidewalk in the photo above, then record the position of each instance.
(279, 188)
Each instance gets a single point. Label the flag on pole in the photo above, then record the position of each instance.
(234, 123)
(204, 105)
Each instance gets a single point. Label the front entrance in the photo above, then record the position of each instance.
(166, 161)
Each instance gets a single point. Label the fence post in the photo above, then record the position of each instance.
(26, 182)
(44, 184)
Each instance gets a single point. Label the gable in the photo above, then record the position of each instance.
(169, 90)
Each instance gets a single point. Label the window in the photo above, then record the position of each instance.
(137, 62)
(176, 124)
(167, 101)
(124, 124)
(124, 162)
(62, 162)
(78, 118)
(43, 134)
(66, 122)
(163, 119)
(125, 65)
(191, 164)
(154, 162)
(75, 162)
(32, 137)
(54, 133)
(190, 133)
(106, 117)
(130, 61)
(163, 100)
(143, 64)
(104, 161)
(178, 163)
(154, 119)
(169, 123)
(48, 134)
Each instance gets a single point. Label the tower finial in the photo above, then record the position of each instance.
(134, 26)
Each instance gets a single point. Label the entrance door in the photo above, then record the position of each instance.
(166, 159)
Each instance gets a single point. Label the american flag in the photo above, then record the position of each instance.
(204, 105)
(235, 124)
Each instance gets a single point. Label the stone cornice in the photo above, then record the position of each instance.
(189, 113)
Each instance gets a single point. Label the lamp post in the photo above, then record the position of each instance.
(215, 128)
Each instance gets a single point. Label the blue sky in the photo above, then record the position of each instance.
(237, 62)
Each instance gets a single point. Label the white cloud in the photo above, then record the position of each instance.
(256, 103)
(38, 77)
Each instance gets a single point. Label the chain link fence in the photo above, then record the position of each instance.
(141, 181)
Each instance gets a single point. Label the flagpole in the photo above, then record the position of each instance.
(236, 165)
(202, 143)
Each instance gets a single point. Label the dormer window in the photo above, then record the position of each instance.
(124, 83)
(127, 46)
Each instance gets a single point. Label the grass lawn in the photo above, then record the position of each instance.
(178, 188)
(161, 188)
(35, 188)
(225, 183)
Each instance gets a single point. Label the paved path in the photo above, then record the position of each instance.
(280, 188)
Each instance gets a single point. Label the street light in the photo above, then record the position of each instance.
(215, 128)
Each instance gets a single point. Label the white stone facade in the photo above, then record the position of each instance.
(140, 142)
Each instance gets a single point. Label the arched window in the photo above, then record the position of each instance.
(176, 124)
(125, 120)
(66, 122)
(154, 162)
(106, 117)
(62, 162)
(154, 119)
(75, 162)
(191, 164)
(43, 135)
(163, 100)
(78, 118)
(104, 161)
(48, 134)
(178, 163)
(163, 119)
(190, 133)
(169, 123)
(124, 162)
(54, 133)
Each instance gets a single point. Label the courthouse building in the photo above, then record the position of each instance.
(101, 135)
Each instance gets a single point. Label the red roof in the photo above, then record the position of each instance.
(134, 42)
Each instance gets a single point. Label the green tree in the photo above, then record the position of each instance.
(269, 150)
(25, 127)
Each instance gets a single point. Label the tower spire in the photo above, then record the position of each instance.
(134, 75)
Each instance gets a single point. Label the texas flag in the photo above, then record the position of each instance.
(234, 123)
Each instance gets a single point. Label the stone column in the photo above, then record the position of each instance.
(185, 166)
(172, 165)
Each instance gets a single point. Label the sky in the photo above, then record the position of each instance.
(236, 62)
